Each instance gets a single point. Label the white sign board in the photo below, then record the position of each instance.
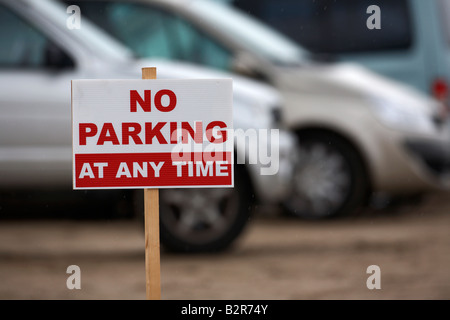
(152, 133)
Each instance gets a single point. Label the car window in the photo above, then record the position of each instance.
(23, 46)
(153, 32)
(250, 33)
(335, 26)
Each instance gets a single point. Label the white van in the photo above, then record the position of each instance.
(412, 44)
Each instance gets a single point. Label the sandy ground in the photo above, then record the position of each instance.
(276, 258)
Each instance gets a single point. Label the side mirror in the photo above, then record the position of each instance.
(245, 64)
(57, 59)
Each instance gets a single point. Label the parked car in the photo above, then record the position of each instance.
(411, 45)
(359, 133)
(39, 58)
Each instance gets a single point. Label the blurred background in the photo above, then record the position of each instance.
(358, 91)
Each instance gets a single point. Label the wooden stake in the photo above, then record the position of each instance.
(151, 213)
(149, 73)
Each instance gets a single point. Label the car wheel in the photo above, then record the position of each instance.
(196, 220)
(329, 179)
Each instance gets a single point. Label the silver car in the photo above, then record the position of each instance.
(360, 134)
(40, 55)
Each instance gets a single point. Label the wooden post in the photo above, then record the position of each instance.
(151, 213)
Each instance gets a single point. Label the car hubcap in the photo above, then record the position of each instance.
(198, 215)
(322, 180)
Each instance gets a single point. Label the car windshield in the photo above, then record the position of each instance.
(94, 38)
(250, 33)
(154, 31)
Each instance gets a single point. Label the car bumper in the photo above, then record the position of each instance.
(434, 155)
(413, 163)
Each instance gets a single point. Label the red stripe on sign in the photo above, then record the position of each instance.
(140, 170)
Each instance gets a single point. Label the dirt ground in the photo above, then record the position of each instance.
(276, 258)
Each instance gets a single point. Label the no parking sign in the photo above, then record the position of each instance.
(152, 133)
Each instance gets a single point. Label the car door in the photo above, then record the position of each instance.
(35, 116)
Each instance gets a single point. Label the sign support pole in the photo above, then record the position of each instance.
(152, 246)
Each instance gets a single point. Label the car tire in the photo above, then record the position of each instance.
(204, 220)
(330, 179)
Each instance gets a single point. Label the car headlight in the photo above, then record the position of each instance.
(252, 115)
(402, 117)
